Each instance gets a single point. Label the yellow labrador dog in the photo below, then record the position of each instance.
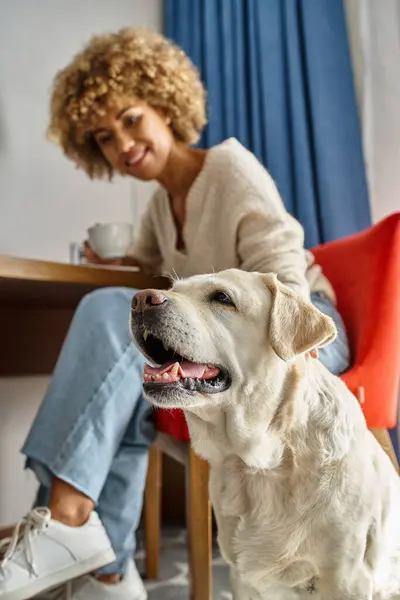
(306, 501)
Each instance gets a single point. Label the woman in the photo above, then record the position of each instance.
(132, 103)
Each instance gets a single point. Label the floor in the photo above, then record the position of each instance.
(174, 570)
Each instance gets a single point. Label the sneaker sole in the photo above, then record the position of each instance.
(43, 584)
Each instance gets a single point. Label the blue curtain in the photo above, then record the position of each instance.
(279, 79)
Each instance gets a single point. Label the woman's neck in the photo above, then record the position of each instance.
(183, 167)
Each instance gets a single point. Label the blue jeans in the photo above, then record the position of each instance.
(335, 356)
(93, 429)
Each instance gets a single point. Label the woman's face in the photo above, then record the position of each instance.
(135, 139)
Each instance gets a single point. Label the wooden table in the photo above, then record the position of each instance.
(37, 301)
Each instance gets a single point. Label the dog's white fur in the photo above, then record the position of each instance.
(306, 501)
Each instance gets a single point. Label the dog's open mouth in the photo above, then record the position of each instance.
(175, 370)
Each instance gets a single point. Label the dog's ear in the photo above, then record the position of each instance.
(295, 326)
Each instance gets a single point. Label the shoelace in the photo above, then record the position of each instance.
(34, 522)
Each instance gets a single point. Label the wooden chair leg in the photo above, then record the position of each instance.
(199, 519)
(152, 512)
(6, 532)
(383, 437)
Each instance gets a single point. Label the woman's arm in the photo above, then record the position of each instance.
(270, 240)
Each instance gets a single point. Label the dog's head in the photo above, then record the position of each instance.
(211, 334)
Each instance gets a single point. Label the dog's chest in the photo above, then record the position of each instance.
(260, 530)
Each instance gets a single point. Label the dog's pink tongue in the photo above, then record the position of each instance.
(186, 368)
(192, 370)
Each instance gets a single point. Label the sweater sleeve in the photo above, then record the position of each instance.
(145, 247)
(270, 240)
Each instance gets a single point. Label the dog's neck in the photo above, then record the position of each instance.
(262, 434)
(249, 424)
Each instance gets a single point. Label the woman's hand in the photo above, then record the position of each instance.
(93, 259)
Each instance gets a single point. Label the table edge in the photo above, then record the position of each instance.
(18, 268)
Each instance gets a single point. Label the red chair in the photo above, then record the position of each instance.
(364, 270)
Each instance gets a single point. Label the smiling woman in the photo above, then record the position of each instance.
(101, 92)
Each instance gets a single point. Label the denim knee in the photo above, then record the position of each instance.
(336, 355)
(102, 302)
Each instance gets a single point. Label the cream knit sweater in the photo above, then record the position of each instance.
(234, 218)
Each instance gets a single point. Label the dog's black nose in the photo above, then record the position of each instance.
(147, 299)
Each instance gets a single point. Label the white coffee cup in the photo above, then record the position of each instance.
(110, 240)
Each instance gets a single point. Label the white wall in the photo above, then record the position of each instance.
(45, 203)
(19, 401)
(374, 33)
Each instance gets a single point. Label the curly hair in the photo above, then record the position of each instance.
(132, 62)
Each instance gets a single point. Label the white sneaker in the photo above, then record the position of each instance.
(89, 588)
(43, 553)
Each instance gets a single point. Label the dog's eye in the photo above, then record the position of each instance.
(222, 298)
